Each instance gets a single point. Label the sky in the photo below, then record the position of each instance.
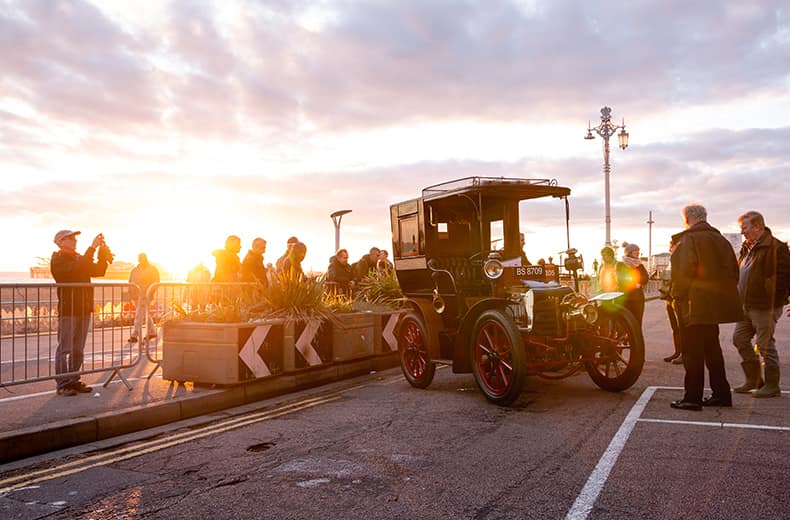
(169, 125)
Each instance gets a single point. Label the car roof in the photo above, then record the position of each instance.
(499, 187)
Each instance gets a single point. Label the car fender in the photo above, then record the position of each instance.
(431, 319)
(461, 362)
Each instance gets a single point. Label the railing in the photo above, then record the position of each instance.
(30, 315)
(29, 319)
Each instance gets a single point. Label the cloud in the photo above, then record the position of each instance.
(217, 67)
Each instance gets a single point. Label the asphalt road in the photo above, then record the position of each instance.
(374, 447)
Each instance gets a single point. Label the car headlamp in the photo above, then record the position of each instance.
(493, 268)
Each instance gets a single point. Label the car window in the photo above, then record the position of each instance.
(409, 233)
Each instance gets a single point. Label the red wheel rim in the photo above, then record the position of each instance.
(494, 357)
(613, 360)
(414, 353)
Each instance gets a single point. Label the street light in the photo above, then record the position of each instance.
(606, 130)
(337, 216)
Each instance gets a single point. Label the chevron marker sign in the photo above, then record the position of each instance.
(389, 332)
(305, 343)
(249, 353)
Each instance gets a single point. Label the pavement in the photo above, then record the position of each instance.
(36, 420)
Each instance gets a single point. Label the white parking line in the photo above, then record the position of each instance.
(589, 494)
(719, 424)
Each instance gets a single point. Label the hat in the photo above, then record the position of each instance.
(63, 233)
(630, 248)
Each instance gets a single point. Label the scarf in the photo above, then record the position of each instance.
(631, 262)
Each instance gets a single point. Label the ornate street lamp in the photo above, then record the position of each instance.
(607, 129)
(337, 216)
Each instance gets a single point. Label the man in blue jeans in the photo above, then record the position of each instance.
(764, 284)
(75, 305)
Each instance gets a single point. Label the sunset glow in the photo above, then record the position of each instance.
(170, 125)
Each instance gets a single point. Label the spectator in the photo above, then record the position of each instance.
(252, 269)
(764, 284)
(199, 295)
(281, 260)
(228, 268)
(383, 263)
(607, 274)
(75, 304)
(631, 278)
(365, 264)
(143, 276)
(292, 265)
(704, 294)
(524, 259)
(676, 358)
(198, 274)
(340, 272)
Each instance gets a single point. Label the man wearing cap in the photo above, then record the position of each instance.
(75, 305)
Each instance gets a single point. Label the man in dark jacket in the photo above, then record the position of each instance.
(704, 293)
(75, 305)
(365, 264)
(339, 272)
(764, 285)
(252, 269)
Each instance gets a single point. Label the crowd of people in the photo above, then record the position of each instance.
(706, 285)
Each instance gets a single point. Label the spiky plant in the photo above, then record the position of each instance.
(293, 297)
(380, 288)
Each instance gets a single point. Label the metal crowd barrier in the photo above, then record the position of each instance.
(29, 324)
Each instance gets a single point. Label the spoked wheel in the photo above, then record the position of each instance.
(415, 360)
(620, 352)
(498, 357)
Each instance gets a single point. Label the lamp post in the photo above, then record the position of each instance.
(606, 130)
(650, 223)
(337, 216)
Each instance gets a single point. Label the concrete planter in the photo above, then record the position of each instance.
(353, 335)
(223, 353)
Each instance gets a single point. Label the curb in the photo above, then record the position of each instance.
(35, 440)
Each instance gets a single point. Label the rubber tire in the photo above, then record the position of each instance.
(515, 358)
(415, 358)
(622, 324)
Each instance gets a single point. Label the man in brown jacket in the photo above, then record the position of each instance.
(764, 284)
(704, 294)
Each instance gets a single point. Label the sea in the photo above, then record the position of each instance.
(23, 277)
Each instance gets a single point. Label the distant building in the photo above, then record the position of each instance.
(660, 263)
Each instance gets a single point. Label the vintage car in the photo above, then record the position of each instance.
(474, 305)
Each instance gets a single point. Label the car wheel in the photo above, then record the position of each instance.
(498, 357)
(620, 353)
(415, 359)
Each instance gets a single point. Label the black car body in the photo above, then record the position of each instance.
(476, 306)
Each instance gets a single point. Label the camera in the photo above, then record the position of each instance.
(104, 252)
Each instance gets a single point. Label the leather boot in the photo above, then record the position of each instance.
(753, 373)
(771, 386)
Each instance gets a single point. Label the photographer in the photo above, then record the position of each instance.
(75, 304)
